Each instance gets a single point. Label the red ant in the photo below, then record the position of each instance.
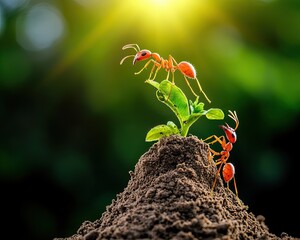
(184, 67)
(228, 168)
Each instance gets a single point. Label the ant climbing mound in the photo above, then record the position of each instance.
(169, 65)
(228, 168)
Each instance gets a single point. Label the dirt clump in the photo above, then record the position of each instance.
(169, 197)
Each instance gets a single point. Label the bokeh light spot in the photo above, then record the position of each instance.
(40, 28)
(1, 20)
(13, 4)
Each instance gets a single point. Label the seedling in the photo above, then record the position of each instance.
(228, 168)
(187, 112)
(169, 65)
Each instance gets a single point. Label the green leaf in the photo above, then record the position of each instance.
(215, 114)
(160, 96)
(162, 131)
(175, 95)
(175, 99)
(196, 107)
(212, 114)
(187, 112)
(190, 121)
(153, 83)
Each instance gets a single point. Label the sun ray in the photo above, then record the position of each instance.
(86, 42)
(158, 21)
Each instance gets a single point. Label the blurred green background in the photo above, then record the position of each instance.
(73, 121)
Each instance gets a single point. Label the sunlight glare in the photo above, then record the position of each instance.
(161, 19)
(158, 2)
(153, 7)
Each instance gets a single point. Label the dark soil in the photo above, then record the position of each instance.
(169, 197)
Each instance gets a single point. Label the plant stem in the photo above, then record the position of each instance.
(185, 129)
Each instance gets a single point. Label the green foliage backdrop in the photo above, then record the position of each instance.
(73, 121)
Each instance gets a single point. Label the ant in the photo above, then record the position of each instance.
(228, 168)
(169, 65)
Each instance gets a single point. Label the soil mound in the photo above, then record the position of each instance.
(169, 197)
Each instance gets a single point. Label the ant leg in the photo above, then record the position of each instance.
(173, 77)
(215, 181)
(235, 188)
(210, 156)
(210, 138)
(187, 82)
(168, 75)
(207, 138)
(219, 160)
(151, 72)
(200, 88)
(170, 67)
(173, 59)
(217, 139)
(236, 191)
(214, 153)
(157, 69)
(173, 83)
(145, 66)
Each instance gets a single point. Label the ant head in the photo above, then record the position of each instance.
(229, 132)
(142, 55)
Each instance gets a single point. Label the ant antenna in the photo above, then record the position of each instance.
(234, 117)
(134, 46)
